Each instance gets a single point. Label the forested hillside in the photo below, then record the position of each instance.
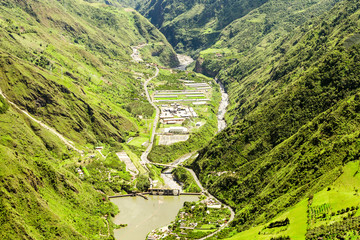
(67, 64)
(249, 41)
(295, 120)
(191, 26)
(54, 59)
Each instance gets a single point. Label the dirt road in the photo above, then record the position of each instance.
(136, 56)
(68, 143)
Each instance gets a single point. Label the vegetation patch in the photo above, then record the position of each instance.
(109, 175)
(195, 220)
(187, 180)
(4, 106)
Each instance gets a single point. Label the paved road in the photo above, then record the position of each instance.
(168, 178)
(211, 196)
(144, 159)
(183, 159)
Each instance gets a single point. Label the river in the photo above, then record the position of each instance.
(222, 107)
(184, 61)
(143, 216)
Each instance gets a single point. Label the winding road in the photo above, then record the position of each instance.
(166, 176)
(144, 156)
(205, 191)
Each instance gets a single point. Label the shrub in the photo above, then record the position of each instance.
(3, 105)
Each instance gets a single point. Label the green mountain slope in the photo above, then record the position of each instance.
(191, 26)
(295, 121)
(250, 40)
(67, 64)
(40, 199)
(54, 61)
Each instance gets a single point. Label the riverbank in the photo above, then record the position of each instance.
(195, 220)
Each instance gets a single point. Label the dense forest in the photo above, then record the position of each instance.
(191, 26)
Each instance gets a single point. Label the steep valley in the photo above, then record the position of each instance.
(95, 102)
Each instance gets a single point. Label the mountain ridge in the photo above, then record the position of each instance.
(290, 122)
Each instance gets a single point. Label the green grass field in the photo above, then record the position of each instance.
(135, 159)
(138, 141)
(343, 193)
(296, 230)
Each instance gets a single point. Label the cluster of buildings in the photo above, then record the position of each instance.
(188, 226)
(212, 203)
(176, 113)
(187, 223)
(160, 233)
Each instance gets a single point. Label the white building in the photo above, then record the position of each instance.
(176, 130)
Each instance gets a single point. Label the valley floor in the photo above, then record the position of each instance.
(167, 178)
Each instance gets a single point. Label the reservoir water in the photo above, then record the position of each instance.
(143, 216)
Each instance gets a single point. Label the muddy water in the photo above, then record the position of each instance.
(142, 216)
(184, 61)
